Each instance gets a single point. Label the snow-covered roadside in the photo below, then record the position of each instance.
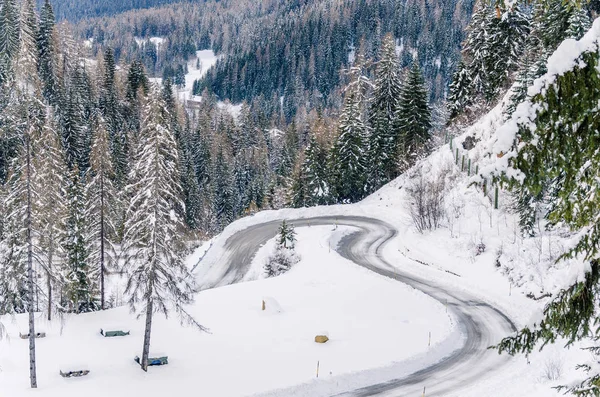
(509, 268)
(372, 321)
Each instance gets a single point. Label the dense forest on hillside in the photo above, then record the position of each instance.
(288, 49)
(74, 10)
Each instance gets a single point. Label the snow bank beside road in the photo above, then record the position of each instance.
(372, 321)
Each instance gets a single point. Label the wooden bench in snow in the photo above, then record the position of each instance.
(37, 335)
(112, 334)
(74, 374)
(162, 360)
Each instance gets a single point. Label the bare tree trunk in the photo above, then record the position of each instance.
(146, 350)
(32, 369)
(49, 275)
(102, 241)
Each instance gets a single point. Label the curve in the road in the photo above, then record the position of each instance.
(481, 323)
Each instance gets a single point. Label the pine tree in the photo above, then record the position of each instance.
(81, 288)
(158, 276)
(460, 91)
(284, 256)
(101, 204)
(18, 259)
(385, 136)
(579, 23)
(27, 59)
(476, 47)
(312, 175)
(554, 23)
(137, 82)
(287, 236)
(51, 210)
(349, 155)
(507, 44)
(495, 40)
(48, 67)
(298, 194)
(532, 63)
(109, 103)
(9, 39)
(414, 116)
(556, 154)
(223, 193)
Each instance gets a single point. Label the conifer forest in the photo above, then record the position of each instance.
(135, 132)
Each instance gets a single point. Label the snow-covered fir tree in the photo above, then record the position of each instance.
(554, 161)
(19, 263)
(109, 103)
(284, 255)
(311, 182)
(348, 157)
(80, 278)
(579, 23)
(51, 211)
(414, 117)
(385, 136)
(223, 193)
(495, 41)
(459, 92)
(349, 154)
(102, 205)
(159, 280)
(48, 61)
(9, 38)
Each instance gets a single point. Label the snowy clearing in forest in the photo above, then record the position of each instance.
(371, 320)
(197, 68)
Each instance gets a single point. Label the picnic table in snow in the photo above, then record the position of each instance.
(37, 335)
(158, 360)
(115, 332)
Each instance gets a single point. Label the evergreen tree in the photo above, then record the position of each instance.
(414, 116)
(311, 184)
(81, 288)
(9, 38)
(287, 236)
(137, 82)
(19, 286)
(298, 195)
(579, 23)
(27, 59)
(460, 91)
(223, 193)
(47, 67)
(385, 135)
(350, 151)
(51, 209)
(284, 256)
(109, 103)
(556, 153)
(554, 23)
(101, 204)
(495, 40)
(158, 277)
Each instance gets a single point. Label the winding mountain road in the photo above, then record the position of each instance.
(482, 324)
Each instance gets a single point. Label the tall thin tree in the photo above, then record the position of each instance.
(158, 278)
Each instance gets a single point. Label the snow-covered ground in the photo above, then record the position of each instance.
(205, 59)
(478, 248)
(373, 335)
(371, 321)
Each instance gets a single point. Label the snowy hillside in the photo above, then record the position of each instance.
(378, 328)
(262, 350)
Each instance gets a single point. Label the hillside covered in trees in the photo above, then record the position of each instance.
(290, 49)
(75, 10)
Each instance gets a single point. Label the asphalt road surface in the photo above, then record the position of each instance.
(482, 324)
